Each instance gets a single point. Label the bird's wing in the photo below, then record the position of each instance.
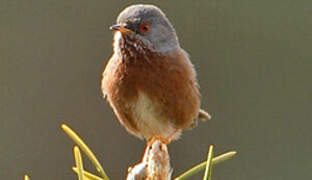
(104, 94)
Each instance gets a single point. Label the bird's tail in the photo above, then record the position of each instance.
(203, 115)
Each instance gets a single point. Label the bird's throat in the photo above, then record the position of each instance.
(131, 47)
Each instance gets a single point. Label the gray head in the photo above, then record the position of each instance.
(148, 25)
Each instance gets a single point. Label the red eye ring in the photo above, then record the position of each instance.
(145, 28)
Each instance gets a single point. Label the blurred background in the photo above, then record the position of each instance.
(253, 60)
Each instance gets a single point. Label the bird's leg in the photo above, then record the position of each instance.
(164, 140)
(160, 138)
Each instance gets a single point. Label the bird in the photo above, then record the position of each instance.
(149, 80)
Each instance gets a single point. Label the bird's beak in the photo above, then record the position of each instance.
(121, 28)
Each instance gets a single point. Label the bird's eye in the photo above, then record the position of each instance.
(145, 28)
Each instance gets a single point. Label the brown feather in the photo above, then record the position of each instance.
(169, 81)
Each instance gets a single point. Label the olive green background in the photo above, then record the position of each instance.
(253, 59)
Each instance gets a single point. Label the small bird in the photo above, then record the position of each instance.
(149, 81)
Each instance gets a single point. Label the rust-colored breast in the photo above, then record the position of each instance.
(169, 81)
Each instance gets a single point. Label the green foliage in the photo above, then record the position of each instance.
(84, 175)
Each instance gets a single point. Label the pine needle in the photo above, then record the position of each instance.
(26, 177)
(87, 175)
(198, 168)
(85, 149)
(78, 160)
(208, 170)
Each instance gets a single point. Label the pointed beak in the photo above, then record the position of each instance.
(121, 28)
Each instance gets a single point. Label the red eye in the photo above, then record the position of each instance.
(145, 28)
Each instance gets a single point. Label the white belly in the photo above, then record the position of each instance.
(150, 120)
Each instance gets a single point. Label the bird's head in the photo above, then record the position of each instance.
(145, 27)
